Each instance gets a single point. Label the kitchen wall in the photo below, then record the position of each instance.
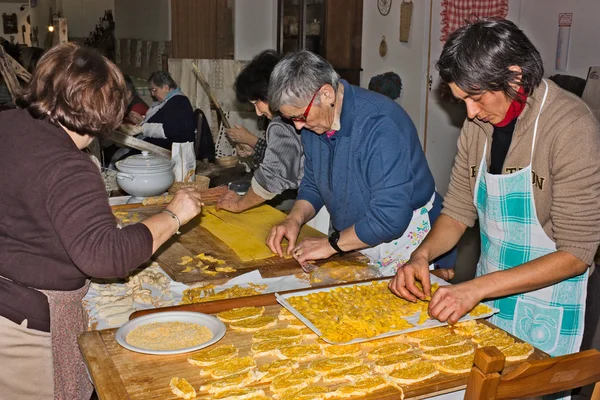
(83, 15)
(255, 27)
(40, 15)
(409, 60)
(143, 19)
(10, 8)
(539, 20)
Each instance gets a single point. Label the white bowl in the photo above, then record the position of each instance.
(145, 175)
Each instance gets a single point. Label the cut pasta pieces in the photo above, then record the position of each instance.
(444, 341)
(301, 353)
(445, 353)
(458, 365)
(271, 347)
(327, 365)
(424, 334)
(388, 364)
(182, 388)
(362, 387)
(388, 350)
(213, 355)
(230, 367)
(413, 373)
(517, 351)
(295, 380)
(236, 381)
(238, 314)
(277, 334)
(352, 350)
(254, 324)
(346, 375)
(240, 394)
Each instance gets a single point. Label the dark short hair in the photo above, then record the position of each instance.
(252, 83)
(477, 56)
(161, 78)
(77, 88)
(130, 85)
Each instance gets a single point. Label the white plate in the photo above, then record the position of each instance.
(430, 323)
(214, 324)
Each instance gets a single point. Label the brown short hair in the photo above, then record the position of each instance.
(78, 88)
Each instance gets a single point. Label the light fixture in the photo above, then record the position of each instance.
(53, 17)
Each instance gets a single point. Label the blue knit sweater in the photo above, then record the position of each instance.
(372, 173)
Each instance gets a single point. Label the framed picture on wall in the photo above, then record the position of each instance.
(9, 23)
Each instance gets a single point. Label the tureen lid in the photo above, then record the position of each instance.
(144, 162)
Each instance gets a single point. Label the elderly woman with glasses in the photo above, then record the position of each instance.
(363, 162)
(171, 118)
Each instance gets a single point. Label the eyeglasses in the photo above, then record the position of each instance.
(153, 90)
(302, 118)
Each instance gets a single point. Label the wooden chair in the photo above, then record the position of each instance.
(531, 378)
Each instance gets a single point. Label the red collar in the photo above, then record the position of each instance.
(515, 108)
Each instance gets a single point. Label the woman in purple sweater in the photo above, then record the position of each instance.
(56, 227)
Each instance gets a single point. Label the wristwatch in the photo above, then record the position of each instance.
(333, 242)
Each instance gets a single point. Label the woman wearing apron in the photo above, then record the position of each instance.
(363, 162)
(527, 168)
(56, 227)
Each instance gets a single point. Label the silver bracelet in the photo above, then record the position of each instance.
(176, 218)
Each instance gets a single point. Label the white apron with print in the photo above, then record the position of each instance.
(392, 255)
(551, 318)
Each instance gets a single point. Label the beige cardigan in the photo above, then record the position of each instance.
(566, 169)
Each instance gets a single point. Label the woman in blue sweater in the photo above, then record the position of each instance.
(363, 161)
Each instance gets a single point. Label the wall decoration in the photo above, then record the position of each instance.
(455, 13)
(384, 6)
(383, 48)
(406, 10)
(9, 23)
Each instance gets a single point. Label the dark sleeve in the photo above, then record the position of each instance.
(385, 169)
(83, 220)
(178, 121)
(259, 150)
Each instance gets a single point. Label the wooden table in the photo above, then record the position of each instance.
(195, 239)
(121, 374)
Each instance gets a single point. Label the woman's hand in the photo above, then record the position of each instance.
(135, 117)
(289, 229)
(241, 135)
(403, 284)
(244, 150)
(450, 303)
(186, 204)
(229, 201)
(311, 249)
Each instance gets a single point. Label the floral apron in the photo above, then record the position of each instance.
(67, 322)
(551, 318)
(392, 255)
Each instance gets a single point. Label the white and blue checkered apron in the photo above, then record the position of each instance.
(551, 318)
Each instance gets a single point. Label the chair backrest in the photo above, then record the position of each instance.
(531, 378)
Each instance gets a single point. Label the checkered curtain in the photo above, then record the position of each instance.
(455, 13)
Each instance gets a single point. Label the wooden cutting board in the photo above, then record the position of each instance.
(121, 374)
(195, 239)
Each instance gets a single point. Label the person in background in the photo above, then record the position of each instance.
(171, 118)
(136, 107)
(281, 165)
(527, 168)
(56, 226)
(363, 161)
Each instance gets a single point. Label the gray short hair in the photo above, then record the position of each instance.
(161, 78)
(297, 77)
